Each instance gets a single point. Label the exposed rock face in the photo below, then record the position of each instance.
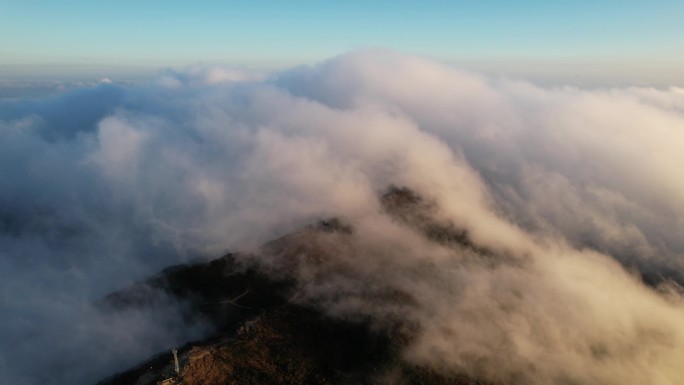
(266, 335)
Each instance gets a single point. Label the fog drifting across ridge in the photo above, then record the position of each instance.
(101, 186)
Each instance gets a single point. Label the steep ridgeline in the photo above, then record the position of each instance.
(265, 334)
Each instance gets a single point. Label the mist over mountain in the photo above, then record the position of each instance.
(565, 208)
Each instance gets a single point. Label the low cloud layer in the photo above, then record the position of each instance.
(104, 185)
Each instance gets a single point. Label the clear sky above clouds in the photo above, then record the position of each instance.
(644, 37)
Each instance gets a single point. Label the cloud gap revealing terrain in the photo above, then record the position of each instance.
(569, 204)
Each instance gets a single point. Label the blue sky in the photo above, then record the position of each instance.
(70, 35)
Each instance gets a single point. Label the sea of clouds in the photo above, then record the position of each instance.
(581, 189)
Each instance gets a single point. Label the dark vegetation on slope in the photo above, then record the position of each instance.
(410, 208)
(263, 336)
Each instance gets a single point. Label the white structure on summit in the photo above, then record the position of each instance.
(175, 361)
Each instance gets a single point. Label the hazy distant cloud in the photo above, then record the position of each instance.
(105, 185)
(206, 75)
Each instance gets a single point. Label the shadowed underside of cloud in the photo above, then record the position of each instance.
(102, 186)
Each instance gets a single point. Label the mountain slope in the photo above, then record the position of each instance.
(266, 334)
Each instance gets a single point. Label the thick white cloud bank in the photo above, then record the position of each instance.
(105, 185)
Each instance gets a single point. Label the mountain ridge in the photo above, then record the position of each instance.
(265, 335)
